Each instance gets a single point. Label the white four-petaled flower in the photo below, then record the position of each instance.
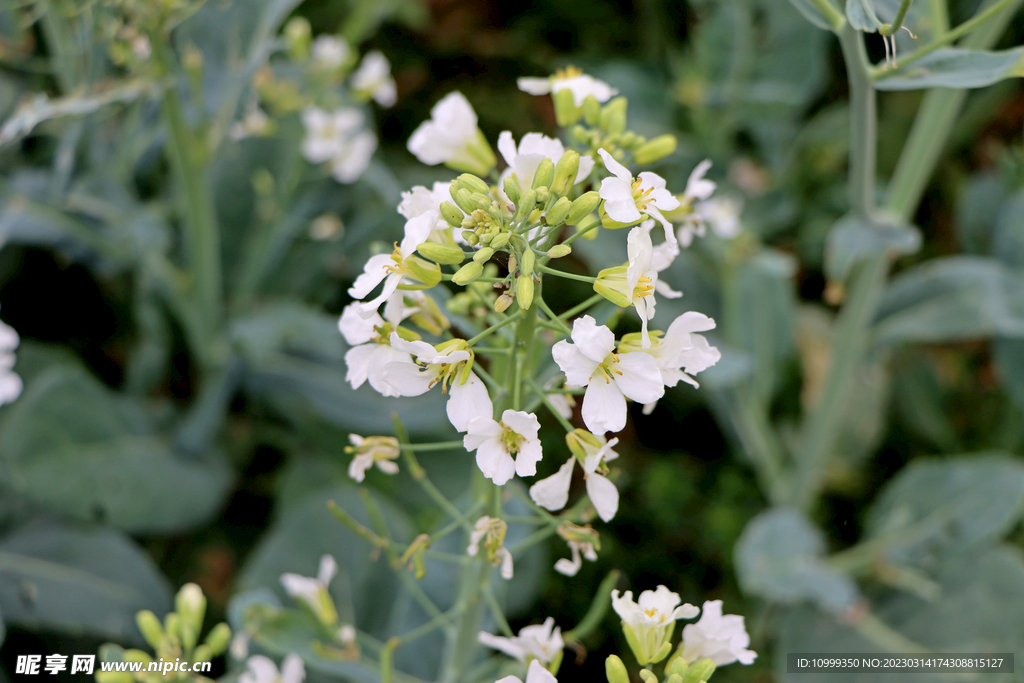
(260, 669)
(627, 200)
(338, 138)
(491, 532)
(452, 137)
(721, 638)
(330, 52)
(391, 268)
(381, 451)
(10, 383)
(542, 642)
(373, 77)
(648, 622)
(609, 378)
(313, 591)
(552, 492)
(496, 442)
(575, 81)
(524, 158)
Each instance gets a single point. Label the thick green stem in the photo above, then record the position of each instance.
(897, 22)
(863, 136)
(833, 16)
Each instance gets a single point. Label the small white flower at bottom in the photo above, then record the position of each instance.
(260, 669)
(721, 638)
(496, 442)
(10, 383)
(542, 642)
(535, 674)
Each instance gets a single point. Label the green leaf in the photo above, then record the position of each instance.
(779, 557)
(861, 15)
(951, 299)
(1008, 232)
(1009, 357)
(937, 507)
(979, 206)
(955, 68)
(975, 613)
(80, 581)
(811, 13)
(853, 239)
(76, 448)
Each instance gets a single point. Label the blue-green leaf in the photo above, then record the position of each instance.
(955, 68)
(861, 15)
(853, 239)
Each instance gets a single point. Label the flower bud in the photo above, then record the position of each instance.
(591, 110)
(677, 666)
(503, 302)
(218, 639)
(611, 284)
(483, 255)
(559, 250)
(647, 676)
(298, 38)
(556, 214)
(461, 198)
(544, 174)
(429, 316)
(425, 271)
(452, 215)
(655, 150)
(529, 260)
(172, 625)
(501, 240)
(468, 273)
(203, 653)
(512, 263)
(188, 637)
(615, 670)
(613, 116)
(699, 671)
(473, 184)
(582, 207)
(511, 187)
(150, 628)
(524, 291)
(447, 254)
(472, 239)
(674, 678)
(526, 204)
(479, 201)
(565, 173)
(566, 111)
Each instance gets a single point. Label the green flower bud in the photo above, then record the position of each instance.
(172, 626)
(544, 174)
(494, 211)
(501, 240)
(461, 198)
(426, 272)
(527, 203)
(451, 213)
(614, 669)
(591, 110)
(629, 140)
(137, 656)
(524, 291)
(677, 666)
(699, 671)
(429, 316)
(484, 255)
(150, 628)
(298, 36)
(559, 250)
(529, 260)
(557, 214)
(611, 284)
(188, 637)
(511, 187)
(472, 239)
(218, 639)
(582, 207)
(565, 173)
(647, 676)
(566, 111)
(479, 201)
(468, 273)
(472, 183)
(486, 237)
(613, 116)
(447, 254)
(674, 678)
(503, 302)
(655, 150)
(512, 263)
(203, 653)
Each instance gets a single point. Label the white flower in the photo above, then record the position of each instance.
(627, 200)
(313, 592)
(451, 137)
(573, 566)
(260, 669)
(722, 214)
(338, 138)
(330, 52)
(420, 200)
(698, 189)
(662, 256)
(580, 84)
(353, 158)
(10, 383)
(371, 349)
(524, 159)
(721, 638)
(562, 403)
(254, 122)
(239, 647)
(541, 642)
(610, 379)
(535, 674)
(681, 352)
(468, 398)
(648, 623)
(381, 451)
(491, 532)
(591, 451)
(373, 77)
(496, 442)
(391, 268)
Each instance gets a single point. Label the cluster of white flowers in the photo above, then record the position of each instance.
(10, 383)
(340, 139)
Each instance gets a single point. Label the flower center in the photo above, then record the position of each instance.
(606, 368)
(568, 72)
(396, 256)
(510, 440)
(643, 287)
(640, 195)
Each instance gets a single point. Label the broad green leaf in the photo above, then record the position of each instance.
(779, 557)
(942, 506)
(951, 299)
(853, 239)
(861, 15)
(78, 580)
(73, 446)
(975, 613)
(955, 68)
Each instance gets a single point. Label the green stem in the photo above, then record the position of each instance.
(494, 328)
(567, 276)
(419, 474)
(598, 608)
(579, 308)
(436, 446)
(544, 399)
(551, 315)
(897, 22)
(835, 19)
(579, 233)
(863, 136)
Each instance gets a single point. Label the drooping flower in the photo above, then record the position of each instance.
(609, 378)
(392, 268)
(260, 669)
(447, 365)
(628, 200)
(592, 452)
(524, 159)
(381, 451)
(649, 622)
(313, 592)
(721, 638)
(496, 442)
(452, 137)
(491, 532)
(10, 383)
(330, 52)
(373, 77)
(582, 540)
(542, 642)
(578, 83)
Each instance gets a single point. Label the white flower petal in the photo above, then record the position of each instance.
(534, 86)
(552, 493)
(640, 379)
(615, 168)
(292, 669)
(467, 401)
(577, 367)
(604, 407)
(603, 495)
(594, 341)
